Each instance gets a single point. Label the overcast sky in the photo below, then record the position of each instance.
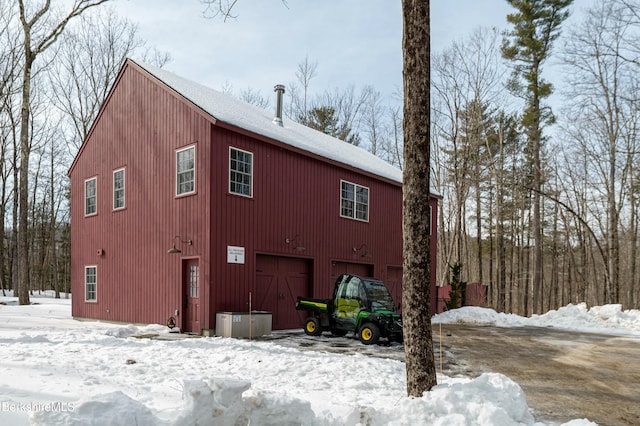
(356, 42)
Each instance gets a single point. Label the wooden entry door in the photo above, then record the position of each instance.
(279, 282)
(191, 296)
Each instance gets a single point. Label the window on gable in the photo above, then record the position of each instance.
(354, 201)
(90, 197)
(118, 189)
(186, 171)
(90, 283)
(240, 172)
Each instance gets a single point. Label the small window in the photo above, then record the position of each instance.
(354, 201)
(186, 171)
(90, 283)
(90, 197)
(240, 172)
(118, 189)
(194, 287)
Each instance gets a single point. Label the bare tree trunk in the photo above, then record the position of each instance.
(478, 223)
(396, 149)
(632, 293)
(504, 298)
(553, 291)
(31, 50)
(23, 188)
(492, 284)
(4, 173)
(13, 260)
(420, 363)
(53, 222)
(536, 282)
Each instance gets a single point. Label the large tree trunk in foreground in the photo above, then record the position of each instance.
(420, 364)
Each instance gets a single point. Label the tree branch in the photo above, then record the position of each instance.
(223, 8)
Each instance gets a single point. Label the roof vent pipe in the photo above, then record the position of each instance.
(279, 89)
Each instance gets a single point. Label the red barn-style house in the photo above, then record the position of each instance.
(186, 202)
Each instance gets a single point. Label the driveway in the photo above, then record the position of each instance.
(565, 375)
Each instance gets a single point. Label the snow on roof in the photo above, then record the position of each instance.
(229, 110)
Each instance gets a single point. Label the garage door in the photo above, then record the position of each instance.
(279, 282)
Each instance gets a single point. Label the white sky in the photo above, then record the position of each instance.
(356, 42)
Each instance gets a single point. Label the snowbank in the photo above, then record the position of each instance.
(607, 319)
(491, 399)
(59, 371)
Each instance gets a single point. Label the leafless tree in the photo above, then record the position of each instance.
(223, 8)
(467, 83)
(40, 30)
(372, 124)
(393, 149)
(307, 70)
(9, 71)
(87, 63)
(254, 97)
(601, 116)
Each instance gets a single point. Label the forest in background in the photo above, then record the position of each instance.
(585, 177)
(588, 175)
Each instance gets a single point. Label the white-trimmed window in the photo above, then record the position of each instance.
(354, 201)
(186, 170)
(194, 287)
(240, 172)
(118, 189)
(90, 196)
(90, 283)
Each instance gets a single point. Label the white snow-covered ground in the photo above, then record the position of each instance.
(57, 371)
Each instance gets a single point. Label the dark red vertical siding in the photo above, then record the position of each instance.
(139, 129)
(294, 196)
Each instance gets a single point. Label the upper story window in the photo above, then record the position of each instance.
(354, 201)
(118, 189)
(90, 283)
(240, 172)
(90, 197)
(186, 170)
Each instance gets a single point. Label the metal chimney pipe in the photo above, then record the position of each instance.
(279, 89)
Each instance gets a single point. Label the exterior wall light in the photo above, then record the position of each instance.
(365, 253)
(292, 240)
(173, 249)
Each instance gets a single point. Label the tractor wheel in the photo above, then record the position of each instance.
(338, 332)
(312, 327)
(369, 334)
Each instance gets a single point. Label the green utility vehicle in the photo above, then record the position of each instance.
(360, 305)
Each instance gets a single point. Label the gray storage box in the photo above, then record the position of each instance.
(236, 324)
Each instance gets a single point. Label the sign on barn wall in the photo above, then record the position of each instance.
(235, 254)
